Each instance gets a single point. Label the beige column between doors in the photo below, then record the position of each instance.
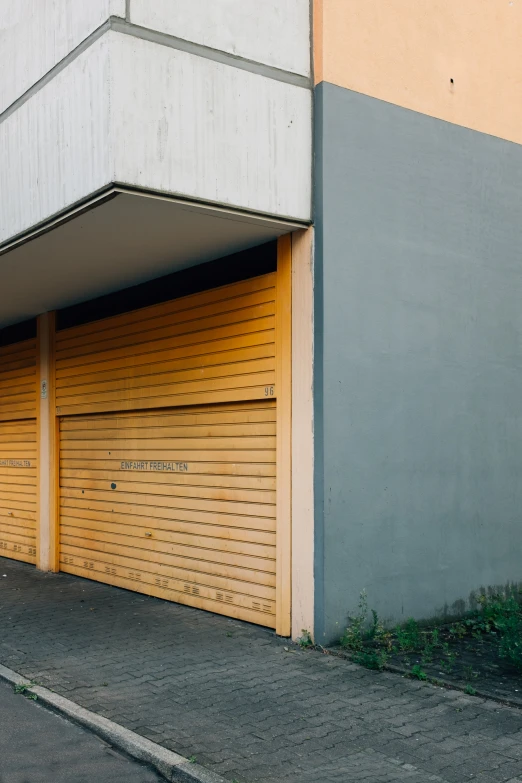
(284, 436)
(302, 434)
(46, 536)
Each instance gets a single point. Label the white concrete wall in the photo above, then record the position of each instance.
(274, 32)
(35, 35)
(54, 149)
(133, 111)
(187, 125)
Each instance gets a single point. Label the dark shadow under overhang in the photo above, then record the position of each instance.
(118, 239)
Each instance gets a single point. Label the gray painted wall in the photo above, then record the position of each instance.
(418, 386)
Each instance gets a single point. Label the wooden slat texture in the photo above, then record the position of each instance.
(18, 489)
(213, 347)
(177, 503)
(18, 381)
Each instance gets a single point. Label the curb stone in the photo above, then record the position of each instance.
(173, 767)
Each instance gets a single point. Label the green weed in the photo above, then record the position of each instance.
(305, 640)
(469, 673)
(23, 689)
(430, 645)
(366, 638)
(408, 636)
(457, 631)
(498, 618)
(371, 659)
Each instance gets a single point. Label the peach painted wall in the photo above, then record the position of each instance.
(407, 51)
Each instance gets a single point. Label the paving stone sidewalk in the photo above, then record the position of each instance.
(231, 695)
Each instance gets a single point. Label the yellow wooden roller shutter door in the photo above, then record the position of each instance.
(18, 451)
(178, 503)
(168, 450)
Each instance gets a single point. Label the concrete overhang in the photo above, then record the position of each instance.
(119, 238)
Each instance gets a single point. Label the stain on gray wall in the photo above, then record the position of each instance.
(418, 360)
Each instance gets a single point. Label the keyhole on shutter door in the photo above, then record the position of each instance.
(113, 486)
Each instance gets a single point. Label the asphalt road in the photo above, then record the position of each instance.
(37, 746)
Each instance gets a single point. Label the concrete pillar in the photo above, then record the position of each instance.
(47, 444)
(303, 530)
